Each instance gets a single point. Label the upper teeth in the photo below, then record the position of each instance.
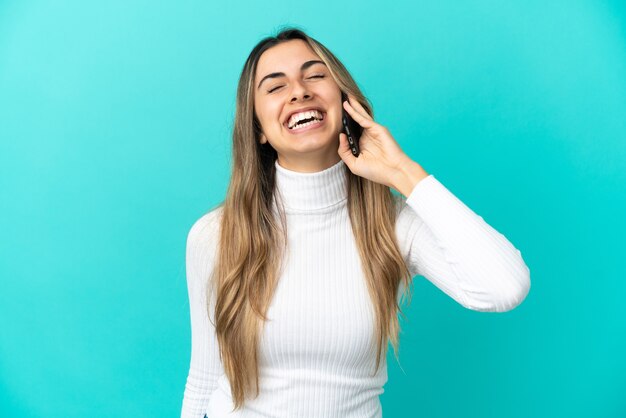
(295, 118)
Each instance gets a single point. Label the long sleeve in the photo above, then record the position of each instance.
(456, 250)
(205, 366)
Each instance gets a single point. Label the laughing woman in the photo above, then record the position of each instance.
(295, 278)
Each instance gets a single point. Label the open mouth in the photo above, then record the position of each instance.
(307, 124)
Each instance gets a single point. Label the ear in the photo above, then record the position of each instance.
(263, 139)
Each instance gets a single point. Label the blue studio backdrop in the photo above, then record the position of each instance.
(115, 130)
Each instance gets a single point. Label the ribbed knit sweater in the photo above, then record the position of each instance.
(317, 353)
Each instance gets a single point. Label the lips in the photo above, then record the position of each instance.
(319, 109)
(317, 125)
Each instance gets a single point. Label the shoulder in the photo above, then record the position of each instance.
(204, 232)
(202, 241)
(206, 223)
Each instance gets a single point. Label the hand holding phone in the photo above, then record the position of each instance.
(352, 129)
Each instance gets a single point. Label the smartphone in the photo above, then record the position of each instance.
(352, 129)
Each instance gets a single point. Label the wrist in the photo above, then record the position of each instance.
(408, 175)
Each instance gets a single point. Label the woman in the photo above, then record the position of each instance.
(294, 280)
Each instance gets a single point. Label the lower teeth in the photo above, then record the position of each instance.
(304, 125)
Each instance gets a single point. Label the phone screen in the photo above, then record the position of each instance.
(352, 129)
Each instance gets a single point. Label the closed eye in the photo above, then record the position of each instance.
(313, 76)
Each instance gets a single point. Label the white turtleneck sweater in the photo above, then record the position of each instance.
(317, 353)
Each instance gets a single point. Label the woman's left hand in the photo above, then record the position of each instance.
(380, 159)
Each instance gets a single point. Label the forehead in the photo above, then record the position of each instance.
(285, 57)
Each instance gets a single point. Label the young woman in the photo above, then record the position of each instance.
(295, 278)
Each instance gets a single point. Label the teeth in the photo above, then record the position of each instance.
(304, 115)
(304, 125)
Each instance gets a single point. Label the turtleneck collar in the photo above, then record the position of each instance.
(312, 191)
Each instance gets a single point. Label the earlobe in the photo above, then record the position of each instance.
(263, 139)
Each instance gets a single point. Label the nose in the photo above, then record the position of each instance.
(299, 90)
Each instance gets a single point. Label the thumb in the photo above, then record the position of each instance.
(344, 150)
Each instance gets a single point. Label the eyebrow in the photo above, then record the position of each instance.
(302, 68)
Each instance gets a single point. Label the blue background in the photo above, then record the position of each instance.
(115, 124)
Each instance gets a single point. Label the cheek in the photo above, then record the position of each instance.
(266, 110)
(261, 114)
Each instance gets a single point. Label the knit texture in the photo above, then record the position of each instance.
(317, 352)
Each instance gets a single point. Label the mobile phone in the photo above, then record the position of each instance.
(352, 129)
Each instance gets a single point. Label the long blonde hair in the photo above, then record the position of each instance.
(252, 241)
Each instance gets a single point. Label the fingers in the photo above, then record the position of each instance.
(360, 119)
(344, 150)
(358, 107)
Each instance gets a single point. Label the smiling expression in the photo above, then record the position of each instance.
(290, 77)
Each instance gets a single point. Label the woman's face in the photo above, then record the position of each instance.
(302, 85)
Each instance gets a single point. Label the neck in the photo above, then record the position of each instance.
(309, 163)
(311, 191)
